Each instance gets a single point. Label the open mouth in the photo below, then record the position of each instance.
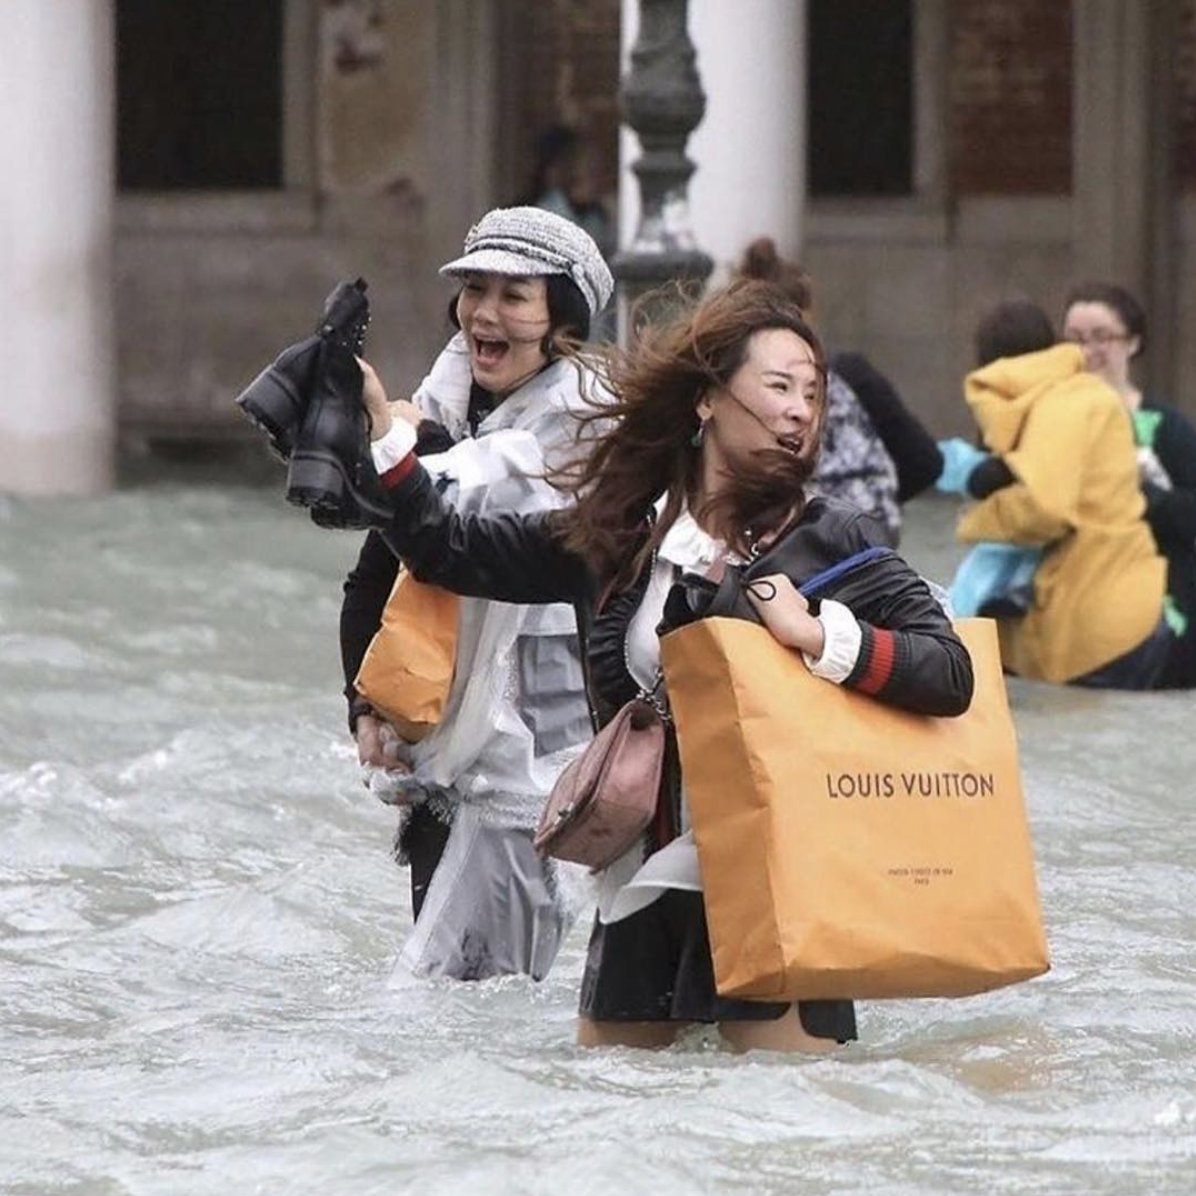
(489, 352)
(792, 444)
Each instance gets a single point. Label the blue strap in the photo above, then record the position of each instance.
(820, 581)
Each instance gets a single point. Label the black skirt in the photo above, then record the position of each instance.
(655, 966)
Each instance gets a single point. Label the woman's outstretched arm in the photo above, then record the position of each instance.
(506, 557)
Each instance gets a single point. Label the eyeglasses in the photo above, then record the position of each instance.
(1100, 337)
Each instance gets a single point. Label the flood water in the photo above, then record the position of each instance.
(198, 921)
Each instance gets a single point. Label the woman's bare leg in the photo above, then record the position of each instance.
(785, 1033)
(653, 1035)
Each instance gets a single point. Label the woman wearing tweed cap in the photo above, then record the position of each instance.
(494, 415)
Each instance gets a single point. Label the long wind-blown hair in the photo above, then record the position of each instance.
(651, 445)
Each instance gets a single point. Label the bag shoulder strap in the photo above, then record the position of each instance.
(821, 580)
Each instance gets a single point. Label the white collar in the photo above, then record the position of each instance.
(685, 544)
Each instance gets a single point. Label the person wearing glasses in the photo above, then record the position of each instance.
(1057, 497)
(1109, 326)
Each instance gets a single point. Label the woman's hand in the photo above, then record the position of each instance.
(379, 744)
(786, 613)
(959, 460)
(383, 769)
(373, 397)
(406, 410)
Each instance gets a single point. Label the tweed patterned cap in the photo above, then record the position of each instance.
(527, 241)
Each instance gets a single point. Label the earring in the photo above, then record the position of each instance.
(699, 435)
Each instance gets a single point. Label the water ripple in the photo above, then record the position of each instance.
(199, 922)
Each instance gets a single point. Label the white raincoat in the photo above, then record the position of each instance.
(516, 713)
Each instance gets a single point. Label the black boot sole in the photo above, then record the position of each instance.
(273, 404)
(320, 481)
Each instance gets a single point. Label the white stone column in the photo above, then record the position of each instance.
(629, 192)
(750, 148)
(57, 115)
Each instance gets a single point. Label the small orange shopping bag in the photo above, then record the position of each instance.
(408, 668)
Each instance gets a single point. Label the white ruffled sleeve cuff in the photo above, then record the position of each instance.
(394, 447)
(841, 646)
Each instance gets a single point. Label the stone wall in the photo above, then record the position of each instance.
(397, 140)
(1184, 270)
(210, 286)
(1185, 97)
(906, 281)
(1009, 97)
(208, 292)
(907, 288)
(561, 66)
(406, 118)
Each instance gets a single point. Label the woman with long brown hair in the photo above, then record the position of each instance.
(875, 451)
(695, 477)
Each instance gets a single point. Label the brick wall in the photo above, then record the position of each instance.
(564, 70)
(1010, 97)
(1185, 98)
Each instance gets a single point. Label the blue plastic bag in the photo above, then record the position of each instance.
(995, 574)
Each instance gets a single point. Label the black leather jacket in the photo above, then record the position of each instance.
(909, 657)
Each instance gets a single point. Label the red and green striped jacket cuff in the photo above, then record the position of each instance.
(878, 659)
(397, 473)
(394, 454)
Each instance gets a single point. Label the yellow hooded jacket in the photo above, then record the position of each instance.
(1067, 439)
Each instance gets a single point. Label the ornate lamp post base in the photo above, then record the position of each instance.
(662, 100)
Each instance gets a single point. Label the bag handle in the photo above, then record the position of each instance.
(653, 697)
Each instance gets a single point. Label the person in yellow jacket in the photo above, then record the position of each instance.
(1062, 478)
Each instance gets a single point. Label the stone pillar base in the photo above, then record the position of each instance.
(63, 463)
(57, 111)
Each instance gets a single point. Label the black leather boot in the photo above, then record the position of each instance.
(431, 438)
(276, 400)
(332, 472)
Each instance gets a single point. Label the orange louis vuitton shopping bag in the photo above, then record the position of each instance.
(849, 849)
(408, 668)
